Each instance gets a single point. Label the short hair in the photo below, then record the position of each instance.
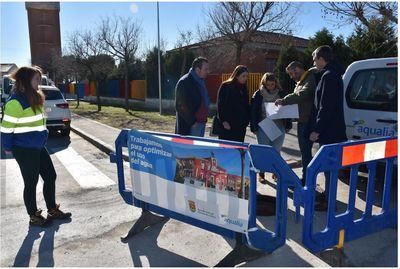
(293, 65)
(324, 52)
(198, 62)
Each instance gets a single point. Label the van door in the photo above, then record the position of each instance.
(371, 102)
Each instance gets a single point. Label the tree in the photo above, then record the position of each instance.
(287, 54)
(185, 39)
(85, 46)
(238, 22)
(380, 41)
(323, 37)
(120, 37)
(363, 13)
(151, 71)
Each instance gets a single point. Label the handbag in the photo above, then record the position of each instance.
(216, 127)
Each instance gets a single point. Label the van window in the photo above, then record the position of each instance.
(373, 89)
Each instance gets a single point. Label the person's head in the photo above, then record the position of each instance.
(27, 81)
(200, 66)
(240, 74)
(269, 82)
(322, 56)
(295, 70)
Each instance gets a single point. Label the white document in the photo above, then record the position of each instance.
(281, 112)
(270, 129)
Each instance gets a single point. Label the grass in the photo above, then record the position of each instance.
(119, 118)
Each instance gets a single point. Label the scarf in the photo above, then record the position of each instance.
(203, 89)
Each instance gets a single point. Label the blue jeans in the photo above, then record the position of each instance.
(305, 147)
(263, 139)
(198, 129)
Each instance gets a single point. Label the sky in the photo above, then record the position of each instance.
(174, 16)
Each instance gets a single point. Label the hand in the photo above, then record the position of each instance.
(314, 136)
(226, 125)
(278, 102)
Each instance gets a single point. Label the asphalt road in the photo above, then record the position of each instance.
(86, 186)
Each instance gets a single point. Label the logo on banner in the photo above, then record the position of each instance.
(192, 205)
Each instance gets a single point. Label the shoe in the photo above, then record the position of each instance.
(38, 220)
(261, 178)
(56, 213)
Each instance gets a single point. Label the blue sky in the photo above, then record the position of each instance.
(14, 46)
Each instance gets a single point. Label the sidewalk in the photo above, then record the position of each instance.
(103, 137)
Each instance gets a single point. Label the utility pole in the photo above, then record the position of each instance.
(159, 58)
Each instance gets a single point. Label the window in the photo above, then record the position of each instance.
(373, 89)
(52, 95)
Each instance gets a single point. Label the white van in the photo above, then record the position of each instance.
(370, 105)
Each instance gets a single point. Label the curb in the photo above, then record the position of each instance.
(104, 147)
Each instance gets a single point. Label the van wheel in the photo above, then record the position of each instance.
(65, 132)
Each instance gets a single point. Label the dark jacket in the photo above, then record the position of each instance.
(256, 110)
(233, 105)
(327, 117)
(187, 102)
(303, 95)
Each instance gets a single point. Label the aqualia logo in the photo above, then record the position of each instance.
(375, 131)
(233, 222)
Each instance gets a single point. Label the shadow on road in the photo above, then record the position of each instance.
(46, 247)
(144, 246)
(57, 142)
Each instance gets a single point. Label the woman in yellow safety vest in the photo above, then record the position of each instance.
(24, 134)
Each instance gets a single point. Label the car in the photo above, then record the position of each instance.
(370, 103)
(57, 112)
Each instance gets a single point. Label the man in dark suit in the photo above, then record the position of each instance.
(327, 123)
(192, 101)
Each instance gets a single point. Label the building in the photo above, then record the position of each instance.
(8, 69)
(260, 55)
(209, 174)
(44, 33)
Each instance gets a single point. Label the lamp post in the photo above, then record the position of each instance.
(159, 58)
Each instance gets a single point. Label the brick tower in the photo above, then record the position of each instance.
(44, 33)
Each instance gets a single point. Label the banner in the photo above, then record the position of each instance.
(208, 181)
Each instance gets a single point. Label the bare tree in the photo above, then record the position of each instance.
(185, 39)
(85, 47)
(120, 38)
(238, 22)
(363, 12)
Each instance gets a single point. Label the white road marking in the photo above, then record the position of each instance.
(85, 173)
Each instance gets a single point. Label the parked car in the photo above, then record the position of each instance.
(370, 105)
(58, 115)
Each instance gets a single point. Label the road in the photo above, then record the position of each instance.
(86, 186)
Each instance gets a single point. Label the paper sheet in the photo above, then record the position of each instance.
(281, 112)
(270, 129)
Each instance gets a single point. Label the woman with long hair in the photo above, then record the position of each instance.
(24, 135)
(268, 92)
(233, 105)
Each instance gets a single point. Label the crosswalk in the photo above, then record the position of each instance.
(74, 174)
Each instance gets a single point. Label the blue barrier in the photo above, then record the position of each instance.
(343, 227)
(340, 228)
(264, 240)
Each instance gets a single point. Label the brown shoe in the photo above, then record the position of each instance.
(38, 220)
(56, 213)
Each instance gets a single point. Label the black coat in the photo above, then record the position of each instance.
(187, 102)
(327, 117)
(233, 107)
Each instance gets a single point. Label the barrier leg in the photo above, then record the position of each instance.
(146, 220)
(241, 253)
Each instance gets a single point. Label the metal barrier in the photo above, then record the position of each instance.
(264, 240)
(343, 227)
